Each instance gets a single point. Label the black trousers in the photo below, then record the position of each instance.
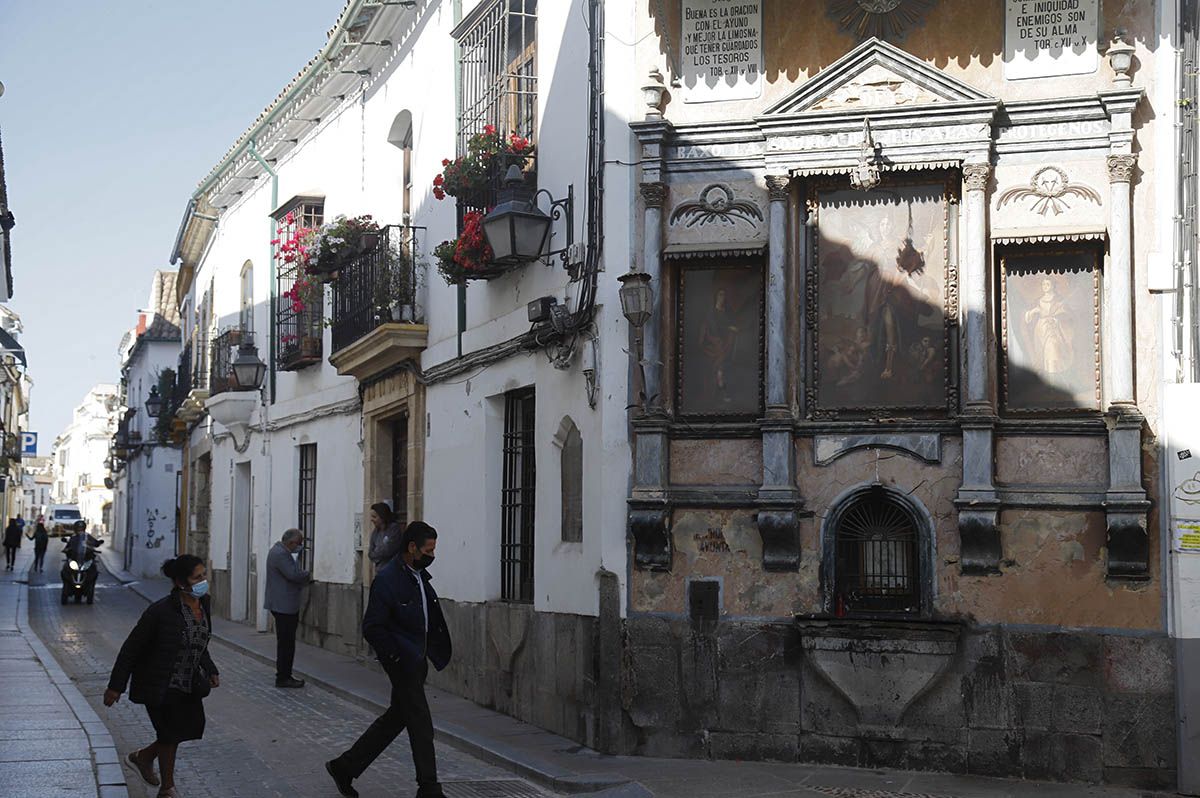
(408, 710)
(38, 556)
(285, 643)
(10, 556)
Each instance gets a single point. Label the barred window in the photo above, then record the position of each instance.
(877, 558)
(517, 498)
(299, 309)
(498, 69)
(307, 510)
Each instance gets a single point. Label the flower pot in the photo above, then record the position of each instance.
(310, 347)
(367, 242)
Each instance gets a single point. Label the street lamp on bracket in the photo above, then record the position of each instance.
(154, 402)
(637, 303)
(517, 229)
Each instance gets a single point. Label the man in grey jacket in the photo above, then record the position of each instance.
(285, 580)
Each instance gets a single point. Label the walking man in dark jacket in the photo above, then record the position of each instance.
(285, 580)
(405, 626)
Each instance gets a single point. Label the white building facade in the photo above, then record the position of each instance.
(81, 451)
(504, 428)
(146, 493)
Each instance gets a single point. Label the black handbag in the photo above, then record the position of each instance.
(200, 684)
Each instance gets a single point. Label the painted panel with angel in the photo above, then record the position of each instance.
(881, 276)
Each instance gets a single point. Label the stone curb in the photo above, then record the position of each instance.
(106, 764)
(486, 748)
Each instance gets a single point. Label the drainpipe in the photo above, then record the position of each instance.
(461, 288)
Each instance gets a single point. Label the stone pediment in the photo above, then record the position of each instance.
(876, 76)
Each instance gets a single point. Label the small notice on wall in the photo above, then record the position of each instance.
(721, 50)
(1187, 536)
(1046, 38)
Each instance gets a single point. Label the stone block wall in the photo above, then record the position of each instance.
(331, 617)
(539, 667)
(1061, 706)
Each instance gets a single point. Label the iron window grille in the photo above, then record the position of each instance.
(498, 69)
(377, 287)
(307, 509)
(517, 498)
(877, 561)
(299, 325)
(498, 78)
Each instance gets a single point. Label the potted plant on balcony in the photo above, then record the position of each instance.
(469, 176)
(335, 244)
(468, 257)
(393, 289)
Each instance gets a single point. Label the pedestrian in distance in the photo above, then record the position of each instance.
(285, 581)
(167, 656)
(41, 539)
(405, 626)
(12, 542)
(385, 535)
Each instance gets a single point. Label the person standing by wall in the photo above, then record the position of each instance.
(285, 581)
(385, 535)
(405, 626)
(167, 656)
(12, 542)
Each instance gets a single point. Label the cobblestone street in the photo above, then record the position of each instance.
(259, 741)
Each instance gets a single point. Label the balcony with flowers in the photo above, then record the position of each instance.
(377, 320)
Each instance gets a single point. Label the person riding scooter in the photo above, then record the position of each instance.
(79, 565)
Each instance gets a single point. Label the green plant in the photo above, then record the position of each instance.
(466, 256)
(469, 174)
(168, 390)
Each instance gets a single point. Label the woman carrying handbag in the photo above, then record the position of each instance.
(167, 656)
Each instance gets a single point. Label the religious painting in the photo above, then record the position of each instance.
(1050, 334)
(879, 297)
(719, 343)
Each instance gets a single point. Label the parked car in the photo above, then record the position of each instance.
(61, 518)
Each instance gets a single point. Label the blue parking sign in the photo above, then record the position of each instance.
(29, 444)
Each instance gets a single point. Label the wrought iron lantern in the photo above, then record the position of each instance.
(154, 403)
(636, 298)
(516, 228)
(248, 369)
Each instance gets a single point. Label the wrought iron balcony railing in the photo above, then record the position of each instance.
(224, 349)
(377, 287)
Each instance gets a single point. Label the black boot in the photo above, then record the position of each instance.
(340, 779)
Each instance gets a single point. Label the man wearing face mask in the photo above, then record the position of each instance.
(405, 626)
(285, 581)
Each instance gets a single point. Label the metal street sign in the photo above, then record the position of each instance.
(29, 444)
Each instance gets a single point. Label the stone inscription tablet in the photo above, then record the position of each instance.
(1048, 38)
(721, 43)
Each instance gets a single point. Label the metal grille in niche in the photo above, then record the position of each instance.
(517, 498)
(877, 563)
(307, 511)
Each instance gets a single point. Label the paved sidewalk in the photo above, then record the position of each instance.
(563, 765)
(51, 742)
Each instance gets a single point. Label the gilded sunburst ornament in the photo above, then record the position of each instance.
(889, 20)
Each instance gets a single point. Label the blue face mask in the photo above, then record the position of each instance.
(200, 589)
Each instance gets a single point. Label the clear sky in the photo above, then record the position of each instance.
(112, 113)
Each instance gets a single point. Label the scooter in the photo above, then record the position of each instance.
(79, 574)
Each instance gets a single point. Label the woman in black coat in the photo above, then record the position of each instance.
(167, 656)
(12, 542)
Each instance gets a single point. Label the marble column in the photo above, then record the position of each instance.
(977, 502)
(779, 502)
(777, 193)
(974, 285)
(1128, 543)
(1118, 316)
(649, 513)
(654, 195)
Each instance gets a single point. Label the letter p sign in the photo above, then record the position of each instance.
(29, 444)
